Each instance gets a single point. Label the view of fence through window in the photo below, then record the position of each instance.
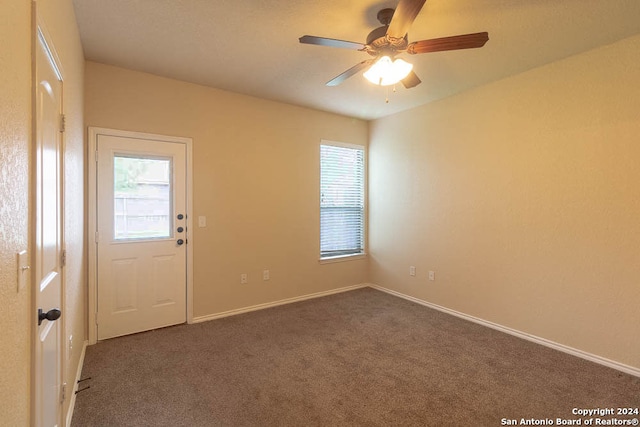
(142, 198)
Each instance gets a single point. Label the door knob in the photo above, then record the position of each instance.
(180, 242)
(180, 229)
(180, 216)
(51, 315)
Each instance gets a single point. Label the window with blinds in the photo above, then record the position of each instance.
(341, 200)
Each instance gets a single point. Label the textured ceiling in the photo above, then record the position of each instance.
(251, 46)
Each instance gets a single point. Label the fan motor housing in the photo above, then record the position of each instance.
(376, 35)
(377, 40)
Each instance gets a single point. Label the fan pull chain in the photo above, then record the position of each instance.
(386, 101)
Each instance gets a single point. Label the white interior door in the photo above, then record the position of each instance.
(142, 236)
(47, 248)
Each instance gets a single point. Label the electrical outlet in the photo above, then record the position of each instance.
(412, 271)
(432, 275)
(243, 279)
(265, 274)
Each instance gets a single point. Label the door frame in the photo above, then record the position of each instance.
(92, 187)
(40, 34)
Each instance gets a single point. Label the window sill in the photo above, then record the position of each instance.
(342, 258)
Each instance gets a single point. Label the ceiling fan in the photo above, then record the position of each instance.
(385, 42)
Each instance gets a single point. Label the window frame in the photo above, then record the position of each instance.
(351, 256)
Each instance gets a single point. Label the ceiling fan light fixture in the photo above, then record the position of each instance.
(386, 72)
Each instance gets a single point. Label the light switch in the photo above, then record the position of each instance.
(23, 269)
(202, 221)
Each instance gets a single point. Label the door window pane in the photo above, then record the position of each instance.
(142, 198)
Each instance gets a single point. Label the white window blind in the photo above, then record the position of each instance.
(341, 201)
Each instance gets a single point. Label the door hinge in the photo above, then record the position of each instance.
(97, 235)
(96, 156)
(62, 123)
(63, 392)
(96, 318)
(63, 258)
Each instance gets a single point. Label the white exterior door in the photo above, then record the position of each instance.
(48, 245)
(141, 234)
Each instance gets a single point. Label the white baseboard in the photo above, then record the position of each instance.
(72, 404)
(234, 312)
(547, 343)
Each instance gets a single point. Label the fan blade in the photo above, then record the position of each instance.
(350, 72)
(403, 17)
(411, 80)
(322, 41)
(466, 41)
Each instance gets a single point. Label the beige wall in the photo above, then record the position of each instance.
(59, 19)
(523, 196)
(15, 137)
(15, 164)
(256, 179)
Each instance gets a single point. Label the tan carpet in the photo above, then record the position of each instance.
(361, 358)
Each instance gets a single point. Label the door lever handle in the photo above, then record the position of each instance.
(51, 315)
